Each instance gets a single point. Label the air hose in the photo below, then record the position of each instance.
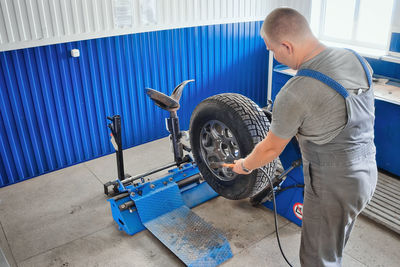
(295, 164)
(275, 218)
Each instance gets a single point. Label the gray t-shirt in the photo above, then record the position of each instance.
(311, 108)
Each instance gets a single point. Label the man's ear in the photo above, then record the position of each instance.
(288, 46)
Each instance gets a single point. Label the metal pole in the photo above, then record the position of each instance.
(116, 131)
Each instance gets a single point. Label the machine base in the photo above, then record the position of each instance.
(163, 207)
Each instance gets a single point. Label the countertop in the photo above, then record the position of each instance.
(382, 91)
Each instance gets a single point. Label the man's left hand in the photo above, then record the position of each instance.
(238, 167)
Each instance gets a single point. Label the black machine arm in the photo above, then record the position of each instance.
(116, 136)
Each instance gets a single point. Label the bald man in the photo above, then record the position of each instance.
(329, 105)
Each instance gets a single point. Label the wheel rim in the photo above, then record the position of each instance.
(218, 144)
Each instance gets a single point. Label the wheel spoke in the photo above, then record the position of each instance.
(218, 144)
(234, 150)
(227, 135)
(215, 131)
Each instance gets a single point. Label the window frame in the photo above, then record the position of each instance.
(353, 41)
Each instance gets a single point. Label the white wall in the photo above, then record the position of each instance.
(29, 23)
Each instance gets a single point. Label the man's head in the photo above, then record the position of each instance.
(286, 32)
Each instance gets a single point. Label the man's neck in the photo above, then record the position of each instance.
(310, 51)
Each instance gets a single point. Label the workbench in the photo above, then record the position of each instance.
(387, 117)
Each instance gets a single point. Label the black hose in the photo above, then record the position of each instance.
(275, 217)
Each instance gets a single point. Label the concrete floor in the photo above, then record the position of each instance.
(62, 219)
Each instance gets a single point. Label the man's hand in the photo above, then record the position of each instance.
(238, 167)
(263, 153)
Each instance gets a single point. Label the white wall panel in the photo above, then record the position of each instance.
(29, 23)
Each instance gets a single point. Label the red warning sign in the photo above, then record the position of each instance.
(298, 210)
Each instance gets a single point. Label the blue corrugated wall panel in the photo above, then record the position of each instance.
(395, 42)
(54, 107)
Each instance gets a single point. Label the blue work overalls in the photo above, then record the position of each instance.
(340, 177)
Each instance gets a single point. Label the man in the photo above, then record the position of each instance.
(329, 104)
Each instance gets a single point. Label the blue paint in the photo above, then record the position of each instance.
(162, 199)
(395, 42)
(385, 68)
(197, 194)
(127, 220)
(54, 107)
(279, 79)
(130, 222)
(387, 136)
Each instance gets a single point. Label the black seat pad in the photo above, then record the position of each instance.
(162, 100)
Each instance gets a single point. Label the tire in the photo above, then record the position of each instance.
(223, 128)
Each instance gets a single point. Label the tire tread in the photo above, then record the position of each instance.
(258, 126)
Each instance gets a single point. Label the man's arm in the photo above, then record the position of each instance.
(262, 154)
(288, 112)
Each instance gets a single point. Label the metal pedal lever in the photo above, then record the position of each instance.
(266, 193)
(139, 176)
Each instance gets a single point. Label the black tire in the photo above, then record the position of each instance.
(240, 124)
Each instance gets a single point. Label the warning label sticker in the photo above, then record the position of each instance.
(298, 210)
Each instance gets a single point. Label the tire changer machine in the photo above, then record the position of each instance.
(163, 206)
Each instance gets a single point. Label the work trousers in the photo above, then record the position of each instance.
(335, 194)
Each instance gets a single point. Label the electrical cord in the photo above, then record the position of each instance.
(275, 217)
